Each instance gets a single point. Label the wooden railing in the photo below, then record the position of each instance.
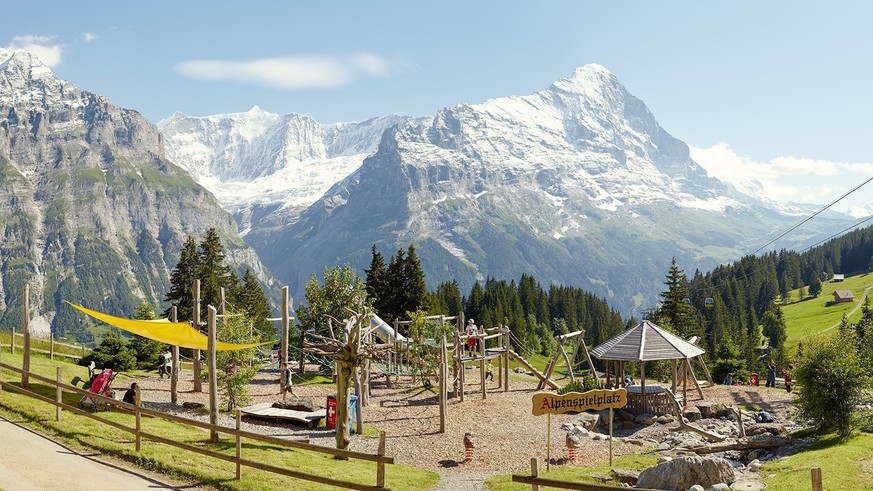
(52, 352)
(380, 459)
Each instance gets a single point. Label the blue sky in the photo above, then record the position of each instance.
(776, 90)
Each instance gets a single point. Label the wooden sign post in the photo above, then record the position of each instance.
(550, 403)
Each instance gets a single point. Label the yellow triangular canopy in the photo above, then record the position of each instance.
(179, 334)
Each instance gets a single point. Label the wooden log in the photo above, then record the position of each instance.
(750, 443)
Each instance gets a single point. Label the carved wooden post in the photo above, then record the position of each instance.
(59, 395)
(198, 384)
(175, 368)
(343, 389)
(283, 353)
(25, 363)
(213, 379)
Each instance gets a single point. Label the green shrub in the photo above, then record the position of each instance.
(832, 380)
(112, 353)
(582, 383)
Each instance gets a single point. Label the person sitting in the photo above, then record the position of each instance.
(764, 417)
(132, 395)
(628, 380)
(728, 380)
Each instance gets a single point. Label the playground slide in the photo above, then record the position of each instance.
(530, 367)
(384, 331)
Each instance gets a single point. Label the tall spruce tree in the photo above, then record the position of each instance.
(182, 282)
(213, 273)
(376, 282)
(249, 297)
(675, 309)
(414, 291)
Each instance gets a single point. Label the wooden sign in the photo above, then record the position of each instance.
(549, 403)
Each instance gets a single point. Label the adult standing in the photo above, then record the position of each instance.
(771, 374)
(162, 365)
(287, 384)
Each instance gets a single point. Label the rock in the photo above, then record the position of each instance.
(520, 370)
(645, 419)
(589, 420)
(761, 428)
(710, 409)
(627, 425)
(720, 487)
(664, 459)
(193, 405)
(696, 487)
(665, 419)
(625, 476)
(683, 472)
(692, 414)
(297, 405)
(756, 454)
(624, 415)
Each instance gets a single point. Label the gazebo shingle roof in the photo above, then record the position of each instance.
(645, 342)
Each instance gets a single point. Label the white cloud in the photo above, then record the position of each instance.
(41, 46)
(88, 37)
(289, 73)
(785, 178)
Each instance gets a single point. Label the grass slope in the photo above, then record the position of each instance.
(812, 316)
(87, 435)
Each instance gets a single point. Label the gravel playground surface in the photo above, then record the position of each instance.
(507, 434)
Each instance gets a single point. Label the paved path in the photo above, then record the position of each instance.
(32, 462)
(857, 308)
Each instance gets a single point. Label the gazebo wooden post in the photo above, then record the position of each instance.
(643, 385)
(685, 383)
(674, 372)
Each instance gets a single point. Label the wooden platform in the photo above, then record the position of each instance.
(267, 411)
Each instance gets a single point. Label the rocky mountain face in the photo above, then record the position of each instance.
(267, 168)
(92, 210)
(577, 184)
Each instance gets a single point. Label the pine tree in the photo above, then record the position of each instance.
(376, 282)
(213, 273)
(182, 282)
(249, 298)
(414, 287)
(675, 309)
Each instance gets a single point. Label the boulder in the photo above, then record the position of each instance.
(683, 472)
(692, 414)
(645, 419)
(589, 420)
(762, 428)
(665, 419)
(193, 405)
(624, 415)
(710, 409)
(625, 476)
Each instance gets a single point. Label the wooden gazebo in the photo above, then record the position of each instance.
(647, 342)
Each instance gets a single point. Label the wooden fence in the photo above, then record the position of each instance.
(535, 481)
(379, 459)
(52, 352)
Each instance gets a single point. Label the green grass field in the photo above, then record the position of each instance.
(89, 436)
(811, 316)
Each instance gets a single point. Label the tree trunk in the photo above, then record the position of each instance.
(343, 389)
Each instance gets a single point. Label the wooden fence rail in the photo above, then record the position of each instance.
(380, 459)
(52, 352)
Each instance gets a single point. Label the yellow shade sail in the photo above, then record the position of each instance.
(179, 334)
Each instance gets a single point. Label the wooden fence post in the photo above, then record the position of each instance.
(51, 346)
(1, 372)
(534, 472)
(213, 371)
(380, 466)
(25, 361)
(198, 384)
(816, 479)
(59, 396)
(238, 445)
(138, 420)
(175, 368)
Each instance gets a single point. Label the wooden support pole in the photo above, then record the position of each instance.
(51, 346)
(1, 374)
(175, 368)
(59, 394)
(283, 349)
(213, 375)
(198, 384)
(380, 466)
(138, 413)
(816, 479)
(238, 445)
(643, 386)
(674, 373)
(444, 369)
(482, 365)
(25, 362)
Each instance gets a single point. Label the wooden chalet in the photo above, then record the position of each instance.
(843, 296)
